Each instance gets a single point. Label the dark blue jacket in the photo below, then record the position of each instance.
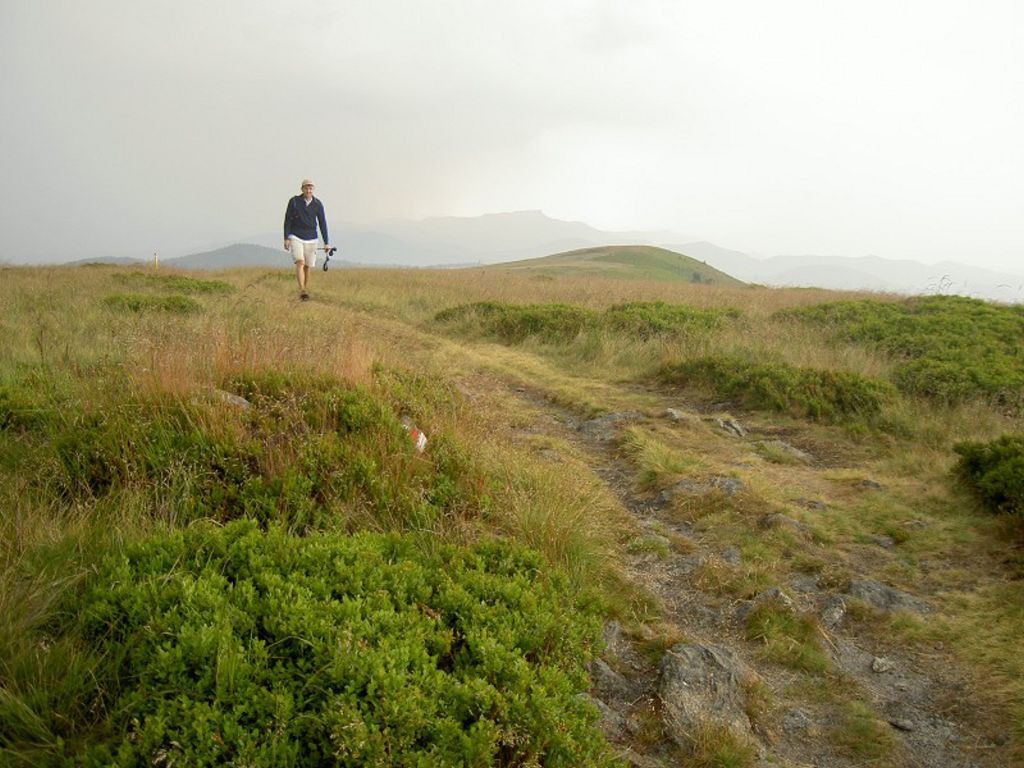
(301, 219)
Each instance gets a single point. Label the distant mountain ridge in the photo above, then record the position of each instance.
(237, 255)
(506, 237)
(871, 273)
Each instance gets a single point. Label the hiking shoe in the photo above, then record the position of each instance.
(304, 296)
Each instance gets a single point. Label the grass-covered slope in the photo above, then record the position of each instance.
(219, 545)
(633, 262)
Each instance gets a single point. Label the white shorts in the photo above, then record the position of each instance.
(303, 251)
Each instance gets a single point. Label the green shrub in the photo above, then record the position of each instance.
(948, 348)
(833, 396)
(139, 303)
(511, 324)
(647, 320)
(994, 472)
(562, 323)
(217, 646)
(308, 452)
(175, 283)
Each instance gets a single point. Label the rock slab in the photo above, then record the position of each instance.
(700, 683)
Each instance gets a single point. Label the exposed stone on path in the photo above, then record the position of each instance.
(732, 426)
(881, 665)
(730, 485)
(731, 555)
(682, 417)
(605, 427)
(886, 598)
(833, 612)
(699, 683)
(869, 485)
(609, 684)
(784, 447)
(615, 642)
(817, 506)
(612, 723)
(796, 721)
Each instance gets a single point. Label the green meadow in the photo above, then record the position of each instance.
(219, 543)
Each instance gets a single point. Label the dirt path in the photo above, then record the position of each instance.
(918, 711)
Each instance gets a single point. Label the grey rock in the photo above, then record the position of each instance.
(869, 485)
(609, 684)
(833, 612)
(232, 399)
(770, 595)
(817, 506)
(784, 447)
(612, 723)
(615, 641)
(886, 598)
(729, 485)
(681, 417)
(732, 426)
(795, 720)
(805, 584)
(880, 664)
(903, 724)
(605, 427)
(731, 555)
(885, 542)
(699, 682)
(686, 565)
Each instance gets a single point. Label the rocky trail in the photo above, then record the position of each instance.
(660, 691)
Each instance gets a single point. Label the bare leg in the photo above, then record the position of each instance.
(301, 273)
(305, 276)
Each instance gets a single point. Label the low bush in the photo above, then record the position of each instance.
(646, 320)
(513, 324)
(308, 452)
(994, 472)
(216, 646)
(139, 303)
(562, 323)
(833, 396)
(175, 283)
(947, 348)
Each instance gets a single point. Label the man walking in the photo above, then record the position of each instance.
(301, 216)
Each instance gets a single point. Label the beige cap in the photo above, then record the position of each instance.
(307, 181)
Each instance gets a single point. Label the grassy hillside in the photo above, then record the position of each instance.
(219, 542)
(634, 262)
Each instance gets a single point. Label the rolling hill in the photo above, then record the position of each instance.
(239, 255)
(635, 262)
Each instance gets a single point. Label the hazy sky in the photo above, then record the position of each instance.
(793, 126)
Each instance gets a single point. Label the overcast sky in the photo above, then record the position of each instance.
(793, 126)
